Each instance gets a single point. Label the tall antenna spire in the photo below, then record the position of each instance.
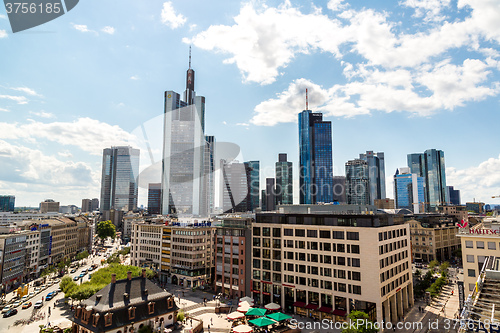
(307, 101)
(189, 56)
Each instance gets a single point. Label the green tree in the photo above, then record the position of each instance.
(444, 266)
(82, 255)
(180, 315)
(106, 229)
(365, 327)
(433, 264)
(418, 273)
(145, 329)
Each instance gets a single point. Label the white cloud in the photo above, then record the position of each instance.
(83, 28)
(43, 114)
(17, 99)
(430, 10)
(192, 27)
(65, 154)
(336, 5)
(3, 17)
(480, 182)
(242, 124)
(3, 34)
(4, 110)
(108, 30)
(27, 91)
(170, 18)
(88, 134)
(134, 77)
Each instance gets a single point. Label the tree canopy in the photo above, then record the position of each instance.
(106, 229)
(354, 316)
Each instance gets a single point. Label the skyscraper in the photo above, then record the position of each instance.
(235, 186)
(315, 158)
(357, 182)
(284, 181)
(270, 194)
(430, 165)
(154, 198)
(376, 174)
(409, 190)
(253, 168)
(454, 195)
(339, 189)
(7, 203)
(120, 168)
(208, 197)
(183, 152)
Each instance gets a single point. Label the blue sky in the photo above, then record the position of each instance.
(398, 77)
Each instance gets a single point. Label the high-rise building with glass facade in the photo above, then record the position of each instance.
(357, 182)
(184, 149)
(284, 181)
(270, 194)
(454, 195)
(376, 174)
(430, 165)
(409, 190)
(7, 203)
(208, 197)
(235, 187)
(315, 158)
(120, 168)
(253, 168)
(154, 198)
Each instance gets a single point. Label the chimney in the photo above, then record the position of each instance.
(129, 275)
(144, 273)
(113, 278)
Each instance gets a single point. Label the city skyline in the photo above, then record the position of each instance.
(93, 80)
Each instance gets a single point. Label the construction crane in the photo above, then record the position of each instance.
(496, 196)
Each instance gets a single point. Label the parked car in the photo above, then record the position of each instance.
(16, 304)
(26, 305)
(49, 296)
(6, 308)
(38, 305)
(24, 299)
(37, 290)
(31, 294)
(76, 278)
(9, 313)
(73, 270)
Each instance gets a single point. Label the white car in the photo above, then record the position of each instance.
(37, 290)
(38, 304)
(31, 294)
(16, 304)
(24, 299)
(6, 308)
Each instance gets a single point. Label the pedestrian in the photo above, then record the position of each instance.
(209, 328)
(211, 321)
(419, 309)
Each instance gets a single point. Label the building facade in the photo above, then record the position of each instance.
(233, 256)
(119, 186)
(376, 174)
(315, 158)
(253, 168)
(49, 206)
(357, 182)
(209, 175)
(270, 194)
(324, 266)
(409, 190)
(453, 195)
(154, 198)
(7, 203)
(235, 187)
(339, 189)
(284, 181)
(12, 257)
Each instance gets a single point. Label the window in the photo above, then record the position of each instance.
(342, 287)
(266, 242)
(312, 233)
(266, 232)
(256, 231)
(256, 263)
(341, 261)
(338, 235)
(492, 246)
(480, 245)
(300, 233)
(266, 264)
(469, 244)
(470, 258)
(324, 234)
(471, 272)
(108, 319)
(151, 307)
(355, 262)
(340, 247)
(288, 232)
(314, 245)
(256, 275)
(256, 253)
(131, 312)
(355, 249)
(356, 290)
(356, 276)
(256, 242)
(276, 232)
(327, 247)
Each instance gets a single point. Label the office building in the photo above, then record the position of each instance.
(235, 189)
(184, 147)
(7, 203)
(409, 190)
(384, 203)
(430, 165)
(90, 205)
(339, 190)
(324, 265)
(270, 194)
(376, 174)
(253, 168)
(284, 181)
(126, 305)
(357, 182)
(181, 253)
(433, 237)
(49, 206)
(154, 198)
(315, 158)
(233, 255)
(208, 196)
(120, 169)
(475, 207)
(13, 257)
(478, 243)
(453, 195)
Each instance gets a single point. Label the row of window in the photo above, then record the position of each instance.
(393, 258)
(392, 246)
(382, 236)
(480, 245)
(394, 284)
(334, 247)
(315, 283)
(311, 233)
(393, 271)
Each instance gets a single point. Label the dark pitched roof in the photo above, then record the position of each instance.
(112, 296)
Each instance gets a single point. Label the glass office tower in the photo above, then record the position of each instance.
(376, 174)
(409, 190)
(120, 168)
(315, 158)
(284, 181)
(253, 168)
(357, 182)
(7, 203)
